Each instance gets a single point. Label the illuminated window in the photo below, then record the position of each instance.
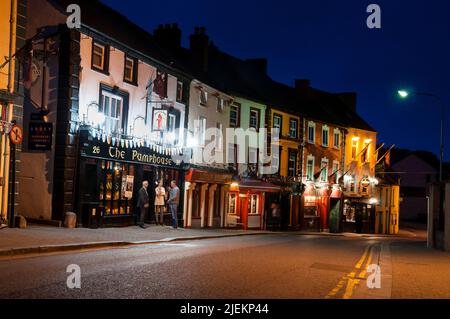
(180, 91)
(311, 132)
(293, 128)
(111, 107)
(100, 59)
(253, 204)
(292, 164)
(203, 98)
(254, 119)
(172, 123)
(324, 173)
(277, 121)
(234, 116)
(337, 139)
(220, 104)
(325, 135)
(219, 139)
(336, 174)
(130, 72)
(232, 204)
(365, 153)
(310, 168)
(355, 143)
(202, 130)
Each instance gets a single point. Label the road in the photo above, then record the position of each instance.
(269, 266)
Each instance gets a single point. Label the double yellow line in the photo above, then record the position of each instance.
(351, 279)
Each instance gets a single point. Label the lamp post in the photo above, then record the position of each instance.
(405, 94)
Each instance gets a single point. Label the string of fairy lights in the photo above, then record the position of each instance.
(121, 140)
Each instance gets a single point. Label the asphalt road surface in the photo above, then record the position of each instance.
(267, 266)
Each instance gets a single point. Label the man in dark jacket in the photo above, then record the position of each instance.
(143, 203)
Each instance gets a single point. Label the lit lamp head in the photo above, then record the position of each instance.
(403, 94)
(234, 187)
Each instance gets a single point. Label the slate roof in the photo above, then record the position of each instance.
(99, 17)
(226, 73)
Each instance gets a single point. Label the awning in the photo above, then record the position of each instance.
(258, 185)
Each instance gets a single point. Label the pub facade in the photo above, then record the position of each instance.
(118, 112)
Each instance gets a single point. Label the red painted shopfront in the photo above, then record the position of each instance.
(247, 203)
(320, 204)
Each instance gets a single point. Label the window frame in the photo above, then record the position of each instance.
(311, 125)
(134, 71)
(325, 133)
(277, 115)
(293, 120)
(311, 159)
(355, 146)
(123, 122)
(202, 130)
(203, 98)
(106, 50)
(258, 119)
(238, 115)
(220, 107)
(292, 152)
(337, 132)
(180, 84)
(324, 172)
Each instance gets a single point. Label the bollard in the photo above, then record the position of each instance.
(70, 220)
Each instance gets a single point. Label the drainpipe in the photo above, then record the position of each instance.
(4, 145)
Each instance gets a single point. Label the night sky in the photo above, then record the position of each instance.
(328, 42)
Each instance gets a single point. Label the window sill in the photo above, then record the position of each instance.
(104, 72)
(134, 83)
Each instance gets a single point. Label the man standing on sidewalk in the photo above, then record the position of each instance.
(143, 203)
(173, 202)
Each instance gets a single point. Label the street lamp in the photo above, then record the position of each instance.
(404, 94)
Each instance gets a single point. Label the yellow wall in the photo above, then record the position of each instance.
(5, 10)
(387, 210)
(355, 166)
(286, 142)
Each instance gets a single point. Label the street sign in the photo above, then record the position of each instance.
(40, 136)
(16, 135)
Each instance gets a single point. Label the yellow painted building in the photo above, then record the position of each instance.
(290, 140)
(387, 212)
(13, 33)
(8, 13)
(360, 161)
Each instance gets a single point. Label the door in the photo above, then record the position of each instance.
(243, 211)
(335, 215)
(148, 175)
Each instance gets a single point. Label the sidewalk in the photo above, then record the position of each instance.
(46, 239)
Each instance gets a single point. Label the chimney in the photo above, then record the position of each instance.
(259, 64)
(349, 99)
(168, 36)
(302, 86)
(199, 44)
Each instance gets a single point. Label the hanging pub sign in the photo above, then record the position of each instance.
(40, 136)
(159, 122)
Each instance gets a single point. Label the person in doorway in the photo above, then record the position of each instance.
(143, 204)
(276, 216)
(160, 198)
(173, 202)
